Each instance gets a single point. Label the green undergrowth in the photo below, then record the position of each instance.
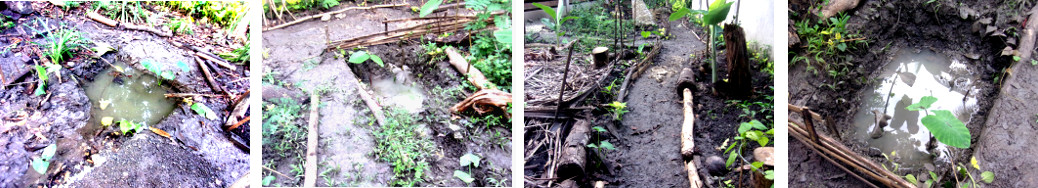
(122, 11)
(283, 135)
(594, 25)
(225, 14)
(303, 5)
(825, 44)
(490, 51)
(399, 143)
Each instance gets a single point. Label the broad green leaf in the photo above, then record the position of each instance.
(168, 75)
(987, 176)
(469, 159)
(429, 7)
(377, 60)
(106, 121)
(567, 18)
(203, 110)
(678, 14)
(646, 34)
(606, 145)
(39, 90)
(947, 129)
(503, 36)
(125, 126)
(973, 161)
(359, 57)
(49, 151)
(731, 159)
(745, 126)
(911, 179)
(183, 66)
(598, 129)
(40, 165)
(41, 73)
(548, 10)
(923, 103)
(592, 146)
(269, 179)
(757, 164)
(758, 125)
(770, 174)
(463, 176)
(718, 12)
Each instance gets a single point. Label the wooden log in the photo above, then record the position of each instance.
(376, 110)
(740, 78)
(573, 157)
(102, 19)
(147, 29)
(310, 172)
(688, 125)
(836, 6)
(693, 175)
(474, 76)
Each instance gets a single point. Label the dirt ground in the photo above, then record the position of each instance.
(203, 156)
(954, 30)
(346, 125)
(648, 136)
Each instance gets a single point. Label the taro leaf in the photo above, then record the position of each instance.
(151, 66)
(168, 75)
(469, 159)
(49, 151)
(717, 13)
(183, 66)
(429, 7)
(923, 103)
(40, 165)
(269, 179)
(947, 129)
(987, 176)
(907, 77)
(598, 129)
(203, 110)
(106, 121)
(606, 145)
(592, 146)
(126, 126)
(463, 176)
(359, 57)
(679, 14)
(39, 90)
(547, 9)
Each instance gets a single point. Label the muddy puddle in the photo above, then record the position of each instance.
(124, 93)
(911, 75)
(400, 93)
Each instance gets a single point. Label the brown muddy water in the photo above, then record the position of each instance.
(911, 75)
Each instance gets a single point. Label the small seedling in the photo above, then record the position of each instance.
(157, 70)
(467, 160)
(41, 164)
(618, 109)
(362, 56)
(203, 110)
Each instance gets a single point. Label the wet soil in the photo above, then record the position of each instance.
(202, 154)
(648, 137)
(346, 149)
(891, 27)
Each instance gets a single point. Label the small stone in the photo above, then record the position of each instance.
(326, 17)
(21, 7)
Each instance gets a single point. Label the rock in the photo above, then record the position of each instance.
(20, 7)
(715, 165)
(642, 15)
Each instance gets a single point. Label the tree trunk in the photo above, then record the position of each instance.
(740, 79)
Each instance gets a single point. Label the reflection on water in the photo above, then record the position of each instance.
(400, 94)
(909, 77)
(130, 95)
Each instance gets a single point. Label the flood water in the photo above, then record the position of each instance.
(131, 96)
(911, 75)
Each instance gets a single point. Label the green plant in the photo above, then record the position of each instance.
(122, 11)
(429, 7)
(181, 26)
(618, 109)
(6, 22)
(826, 40)
(156, 69)
(398, 143)
(61, 43)
(491, 50)
(41, 164)
(467, 160)
(268, 179)
(752, 131)
(239, 55)
(555, 22)
(715, 14)
(203, 110)
(942, 124)
(359, 57)
(127, 126)
(226, 14)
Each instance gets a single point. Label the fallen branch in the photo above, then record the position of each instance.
(310, 172)
(276, 172)
(185, 95)
(485, 101)
(400, 34)
(208, 76)
(573, 158)
(827, 146)
(376, 110)
(112, 23)
(214, 59)
(242, 182)
(240, 122)
(301, 20)
(102, 19)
